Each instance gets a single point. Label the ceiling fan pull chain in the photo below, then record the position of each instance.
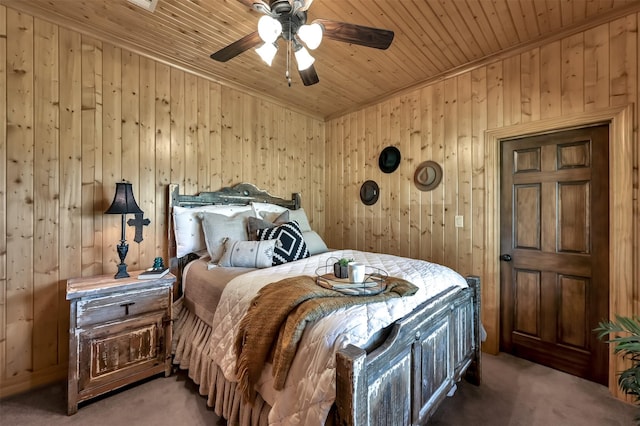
(287, 75)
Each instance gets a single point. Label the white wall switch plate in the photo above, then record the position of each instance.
(459, 221)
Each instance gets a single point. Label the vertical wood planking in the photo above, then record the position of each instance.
(438, 153)
(263, 156)
(45, 180)
(176, 109)
(572, 74)
(130, 148)
(550, 80)
(404, 193)
(415, 158)
(20, 210)
(370, 150)
(91, 116)
(215, 135)
(450, 165)
(596, 68)
(478, 126)
(426, 153)
(162, 148)
(623, 57)
(530, 85)
(395, 243)
(360, 123)
(147, 193)
(512, 96)
(3, 191)
(190, 148)
(203, 157)
(111, 144)
(385, 180)
(465, 169)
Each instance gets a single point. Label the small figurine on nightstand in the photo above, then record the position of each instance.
(158, 264)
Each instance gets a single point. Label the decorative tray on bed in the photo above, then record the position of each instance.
(374, 281)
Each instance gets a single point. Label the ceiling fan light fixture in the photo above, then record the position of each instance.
(303, 58)
(311, 35)
(267, 52)
(269, 29)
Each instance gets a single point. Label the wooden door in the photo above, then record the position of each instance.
(554, 249)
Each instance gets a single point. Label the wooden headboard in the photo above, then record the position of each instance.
(240, 194)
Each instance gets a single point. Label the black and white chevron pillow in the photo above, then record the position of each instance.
(290, 245)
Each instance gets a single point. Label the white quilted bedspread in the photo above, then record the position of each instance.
(310, 388)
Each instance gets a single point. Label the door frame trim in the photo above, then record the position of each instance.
(622, 236)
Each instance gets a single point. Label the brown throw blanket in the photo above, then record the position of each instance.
(277, 316)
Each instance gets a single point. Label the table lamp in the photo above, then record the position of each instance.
(123, 204)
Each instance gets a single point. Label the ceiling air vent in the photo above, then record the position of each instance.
(149, 5)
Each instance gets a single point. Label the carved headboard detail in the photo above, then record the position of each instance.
(240, 194)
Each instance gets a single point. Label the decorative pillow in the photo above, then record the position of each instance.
(248, 254)
(188, 229)
(301, 217)
(314, 242)
(269, 212)
(290, 246)
(254, 224)
(218, 227)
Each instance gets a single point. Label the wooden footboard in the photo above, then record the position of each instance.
(403, 381)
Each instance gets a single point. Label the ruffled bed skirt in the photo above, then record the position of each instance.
(190, 348)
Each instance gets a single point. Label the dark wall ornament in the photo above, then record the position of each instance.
(389, 159)
(369, 193)
(428, 176)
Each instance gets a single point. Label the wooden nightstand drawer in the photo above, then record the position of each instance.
(119, 306)
(119, 333)
(111, 352)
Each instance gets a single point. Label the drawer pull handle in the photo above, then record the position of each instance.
(126, 307)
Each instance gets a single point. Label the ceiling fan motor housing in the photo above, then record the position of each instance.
(291, 22)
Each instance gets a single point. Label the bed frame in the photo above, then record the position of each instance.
(402, 377)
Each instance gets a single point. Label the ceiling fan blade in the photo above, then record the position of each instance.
(356, 34)
(237, 47)
(309, 76)
(257, 5)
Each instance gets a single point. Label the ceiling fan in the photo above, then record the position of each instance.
(287, 19)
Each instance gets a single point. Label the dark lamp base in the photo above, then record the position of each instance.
(122, 271)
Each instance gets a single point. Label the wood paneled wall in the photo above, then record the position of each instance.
(77, 115)
(447, 121)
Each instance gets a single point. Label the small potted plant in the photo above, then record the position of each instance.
(624, 335)
(340, 269)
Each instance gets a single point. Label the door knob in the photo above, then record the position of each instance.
(505, 257)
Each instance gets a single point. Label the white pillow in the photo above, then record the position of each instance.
(188, 230)
(218, 228)
(270, 212)
(248, 254)
(315, 243)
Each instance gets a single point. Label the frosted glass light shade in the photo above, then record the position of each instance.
(303, 58)
(311, 35)
(267, 52)
(269, 29)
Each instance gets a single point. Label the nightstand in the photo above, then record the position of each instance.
(119, 333)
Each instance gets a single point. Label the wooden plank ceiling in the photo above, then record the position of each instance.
(432, 38)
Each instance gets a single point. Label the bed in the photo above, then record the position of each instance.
(386, 363)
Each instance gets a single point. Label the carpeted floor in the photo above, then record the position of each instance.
(514, 392)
